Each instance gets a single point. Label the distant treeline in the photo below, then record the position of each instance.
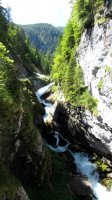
(43, 36)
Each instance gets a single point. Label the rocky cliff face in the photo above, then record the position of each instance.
(77, 126)
(95, 58)
(94, 55)
(22, 150)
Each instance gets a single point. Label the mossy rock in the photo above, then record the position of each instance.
(107, 182)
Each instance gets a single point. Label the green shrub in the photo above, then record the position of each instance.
(101, 20)
(100, 84)
(9, 92)
(108, 69)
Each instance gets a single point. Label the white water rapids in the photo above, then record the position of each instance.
(84, 165)
(48, 106)
(89, 169)
(42, 91)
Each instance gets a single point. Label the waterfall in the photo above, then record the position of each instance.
(48, 106)
(42, 91)
(84, 165)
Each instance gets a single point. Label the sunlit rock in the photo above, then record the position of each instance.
(95, 58)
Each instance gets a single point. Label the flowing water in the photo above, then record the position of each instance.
(48, 106)
(84, 165)
(59, 147)
(42, 91)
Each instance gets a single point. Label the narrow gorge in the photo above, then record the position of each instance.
(55, 129)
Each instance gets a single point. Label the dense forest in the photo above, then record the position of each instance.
(65, 69)
(20, 49)
(43, 36)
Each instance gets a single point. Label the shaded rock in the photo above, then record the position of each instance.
(80, 186)
(31, 166)
(81, 128)
(50, 138)
(21, 194)
(75, 148)
(45, 95)
(26, 156)
(69, 160)
(38, 83)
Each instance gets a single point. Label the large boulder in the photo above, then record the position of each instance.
(80, 186)
(80, 127)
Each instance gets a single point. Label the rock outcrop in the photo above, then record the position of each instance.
(22, 149)
(81, 187)
(20, 194)
(71, 122)
(94, 55)
(95, 58)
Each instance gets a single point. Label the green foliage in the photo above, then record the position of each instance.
(108, 69)
(46, 61)
(107, 182)
(4, 17)
(103, 167)
(14, 39)
(100, 84)
(21, 49)
(65, 69)
(101, 164)
(98, 3)
(43, 36)
(101, 20)
(18, 105)
(16, 94)
(75, 91)
(9, 89)
(8, 183)
(31, 134)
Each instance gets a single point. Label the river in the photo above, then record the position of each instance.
(82, 161)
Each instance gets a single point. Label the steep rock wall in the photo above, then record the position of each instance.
(79, 128)
(95, 58)
(22, 149)
(94, 55)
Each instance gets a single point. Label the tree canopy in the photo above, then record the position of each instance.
(43, 36)
(65, 68)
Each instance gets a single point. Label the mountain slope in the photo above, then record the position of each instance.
(43, 36)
